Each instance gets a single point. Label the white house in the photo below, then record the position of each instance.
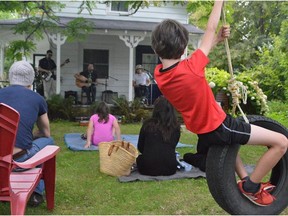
(118, 42)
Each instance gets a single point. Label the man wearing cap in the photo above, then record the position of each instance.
(33, 110)
(141, 82)
(47, 68)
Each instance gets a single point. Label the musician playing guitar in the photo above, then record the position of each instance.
(47, 68)
(87, 80)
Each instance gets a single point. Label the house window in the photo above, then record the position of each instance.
(149, 62)
(146, 57)
(100, 60)
(119, 6)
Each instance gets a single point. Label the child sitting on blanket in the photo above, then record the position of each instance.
(157, 142)
(102, 126)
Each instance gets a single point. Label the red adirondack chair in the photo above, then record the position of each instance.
(17, 187)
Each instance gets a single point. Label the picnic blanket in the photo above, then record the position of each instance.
(194, 173)
(180, 174)
(75, 143)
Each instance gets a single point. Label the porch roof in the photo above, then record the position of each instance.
(130, 25)
(112, 24)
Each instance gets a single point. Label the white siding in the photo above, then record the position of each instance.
(118, 51)
(108, 40)
(118, 63)
(150, 14)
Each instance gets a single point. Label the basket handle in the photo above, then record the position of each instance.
(111, 149)
(127, 146)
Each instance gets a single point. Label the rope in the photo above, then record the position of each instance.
(237, 89)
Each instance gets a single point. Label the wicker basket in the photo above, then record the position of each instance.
(117, 157)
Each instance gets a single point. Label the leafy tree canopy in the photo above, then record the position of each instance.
(258, 41)
(272, 68)
(253, 23)
(40, 17)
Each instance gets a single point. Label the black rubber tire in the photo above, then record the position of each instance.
(221, 178)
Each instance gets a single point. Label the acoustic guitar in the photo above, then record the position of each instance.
(47, 76)
(82, 81)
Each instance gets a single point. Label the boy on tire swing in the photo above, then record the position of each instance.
(183, 83)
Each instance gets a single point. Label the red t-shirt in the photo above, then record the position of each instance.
(187, 90)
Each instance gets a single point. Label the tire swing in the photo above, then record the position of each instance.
(220, 168)
(221, 178)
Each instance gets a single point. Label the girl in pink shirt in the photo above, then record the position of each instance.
(102, 126)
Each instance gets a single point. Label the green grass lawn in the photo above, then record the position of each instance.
(82, 189)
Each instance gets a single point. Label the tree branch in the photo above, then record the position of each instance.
(136, 6)
(36, 28)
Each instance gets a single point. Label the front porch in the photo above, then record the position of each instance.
(114, 51)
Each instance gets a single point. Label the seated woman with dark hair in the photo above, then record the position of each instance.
(102, 127)
(157, 142)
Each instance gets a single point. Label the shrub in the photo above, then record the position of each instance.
(256, 101)
(278, 111)
(129, 112)
(60, 108)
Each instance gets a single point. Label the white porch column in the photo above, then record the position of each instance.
(131, 41)
(59, 40)
(2, 46)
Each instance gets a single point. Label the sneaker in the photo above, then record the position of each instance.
(134, 167)
(84, 136)
(35, 199)
(260, 198)
(268, 186)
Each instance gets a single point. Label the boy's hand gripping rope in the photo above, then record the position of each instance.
(237, 89)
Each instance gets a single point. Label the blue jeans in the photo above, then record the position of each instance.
(37, 145)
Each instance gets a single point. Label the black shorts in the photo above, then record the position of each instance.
(231, 131)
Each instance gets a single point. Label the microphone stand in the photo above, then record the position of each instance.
(106, 84)
(152, 81)
(113, 78)
(106, 81)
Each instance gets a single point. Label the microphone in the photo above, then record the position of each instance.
(150, 75)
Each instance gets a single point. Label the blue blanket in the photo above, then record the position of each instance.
(76, 143)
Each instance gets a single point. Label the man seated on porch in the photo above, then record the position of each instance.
(141, 82)
(87, 81)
